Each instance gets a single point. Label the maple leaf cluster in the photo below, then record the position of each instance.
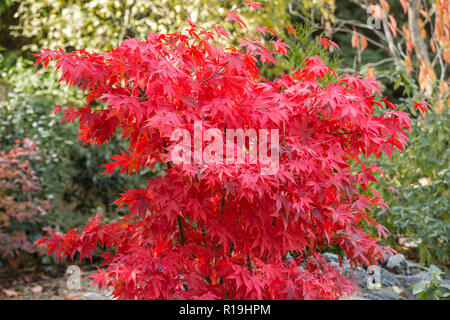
(224, 231)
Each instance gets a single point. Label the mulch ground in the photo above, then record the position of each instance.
(37, 285)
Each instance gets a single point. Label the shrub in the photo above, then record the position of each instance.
(223, 230)
(69, 175)
(20, 205)
(434, 288)
(416, 186)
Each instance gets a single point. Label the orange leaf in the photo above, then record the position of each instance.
(438, 32)
(408, 64)
(409, 44)
(363, 42)
(393, 25)
(424, 14)
(447, 53)
(370, 72)
(433, 48)
(423, 33)
(420, 22)
(427, 77)
(24, 165)
(355, 39)
(385, 5)
(404, 5)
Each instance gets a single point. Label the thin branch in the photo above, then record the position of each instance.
(374, 64)
(222, 205)
(212, 76)
(342, 133)
(181, 229)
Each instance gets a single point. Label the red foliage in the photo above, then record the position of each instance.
(224, 231)
(19, 203)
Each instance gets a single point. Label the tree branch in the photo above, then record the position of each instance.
(181, 229)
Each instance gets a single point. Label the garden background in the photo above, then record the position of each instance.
(49, 180)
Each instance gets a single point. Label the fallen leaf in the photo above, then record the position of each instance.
(11, 293)
(73, 296)
(397, 290)
(36, 289)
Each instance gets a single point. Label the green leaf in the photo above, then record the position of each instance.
(435, 271)
(420, 286)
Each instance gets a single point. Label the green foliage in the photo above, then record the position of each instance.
(433, 289)
(305, 44)
(70, 175)
(315, 10)
(421, 175)
(4, 5)
(20, 205)
(101, 24)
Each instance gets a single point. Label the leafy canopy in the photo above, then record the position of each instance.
(226, 231)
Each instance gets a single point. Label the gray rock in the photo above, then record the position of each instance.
(397, 276)
(358, 274)
(387, 293)
(334, 258)
(414, 268)
(355, 297)
(361, 275)
(381, 296)
(397, 264)
(388, 279)
(407, 281)
(446, 282)
(331, 257)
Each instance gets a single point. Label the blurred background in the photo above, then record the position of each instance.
(47, 179)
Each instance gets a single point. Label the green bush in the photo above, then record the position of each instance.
(419, 199)
(70, 176)
(433, 289)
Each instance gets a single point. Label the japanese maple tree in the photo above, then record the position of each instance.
(225, 231)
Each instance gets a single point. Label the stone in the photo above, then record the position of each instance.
(408, 280)
(397, 264)
(372, 296)
(399, 291)
(388, 279)
(334, 258)
(92, 295)
(354, 297)
(383, 294)
(414, 268)
(331, 257)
